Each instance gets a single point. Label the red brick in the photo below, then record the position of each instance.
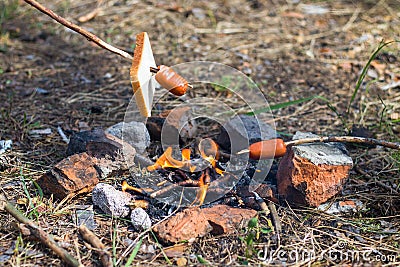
(75, 174)
(195, 222)
(302, 182)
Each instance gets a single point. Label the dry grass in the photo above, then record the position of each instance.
(288, 53)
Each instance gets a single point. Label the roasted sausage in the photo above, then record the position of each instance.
(171, 80)
(267, 149)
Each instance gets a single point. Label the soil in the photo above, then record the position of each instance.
(51, 77)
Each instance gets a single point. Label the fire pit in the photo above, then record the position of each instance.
(201, 171)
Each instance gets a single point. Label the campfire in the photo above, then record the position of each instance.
(196, 172)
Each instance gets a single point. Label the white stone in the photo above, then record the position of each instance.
(322, 153)
(140, 219)
(134, 133)
(111, 201)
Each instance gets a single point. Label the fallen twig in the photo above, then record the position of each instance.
(90, 36)
(62, 134)
(261, 203)
(269, 209)
(275, 217)
(93, 240)
(39, 233)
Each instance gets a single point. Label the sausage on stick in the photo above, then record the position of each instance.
(276, 148)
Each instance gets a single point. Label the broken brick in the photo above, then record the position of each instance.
(311, 174)
(78, 141)
(99, 156)
(226, 220)
(101, 145)
(195, 222)
(73, 175)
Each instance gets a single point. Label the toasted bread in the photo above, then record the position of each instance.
(142, 79)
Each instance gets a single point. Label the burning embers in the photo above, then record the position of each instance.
(188, 172)
(207, 166)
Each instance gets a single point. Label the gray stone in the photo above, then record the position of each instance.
(198, 13)
(4, 145)
(322, 153)
(110, 200)
(134, 133)
(140, 219)
(243, 130)
(85, 215)
(342, 207)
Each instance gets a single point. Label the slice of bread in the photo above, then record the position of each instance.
(142, 79)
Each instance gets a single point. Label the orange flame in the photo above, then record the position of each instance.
(208, 150)
(166, 160)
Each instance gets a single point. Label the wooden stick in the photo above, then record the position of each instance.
(337, 139)
(39, 233)
(344, 139)
(275, 217)
(261, 203)
(168, 188)
(269, 209)
(93, 240)
(90, 36)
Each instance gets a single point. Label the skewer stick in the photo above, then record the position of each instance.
(338, 139)
(344, 139)
(90, 36)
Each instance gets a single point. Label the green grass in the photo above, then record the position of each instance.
(286, 104)
(161, 248)
(28, 193)
(360, 80)
(114, 243)
(202, 260)
(252, 235)
(134, 253)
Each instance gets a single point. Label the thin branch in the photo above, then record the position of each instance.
(39, 233)
(344, 139)
(90, 36)
(261, 203)
(275, 217)
(93, 240)
(269, 209)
